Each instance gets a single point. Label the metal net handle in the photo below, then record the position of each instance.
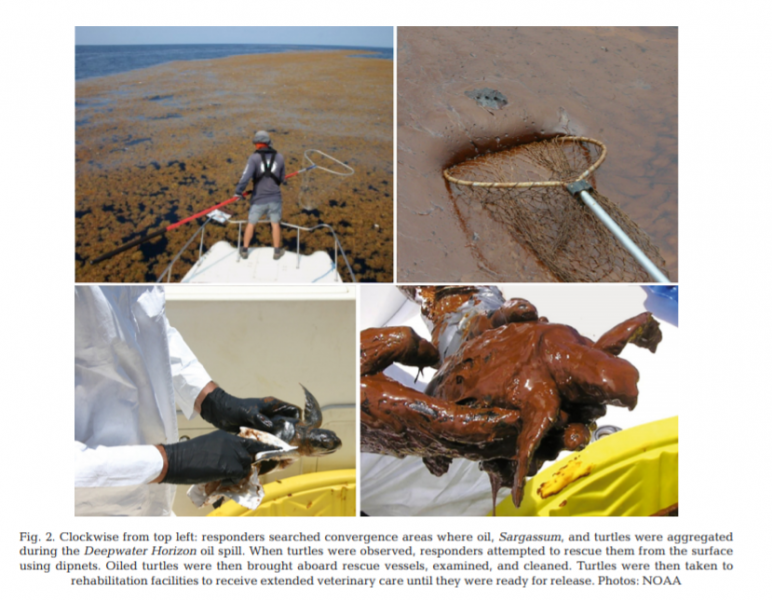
(349, 170)
(530, 184)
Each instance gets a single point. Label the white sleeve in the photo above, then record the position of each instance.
(188, 375)
(116, 466)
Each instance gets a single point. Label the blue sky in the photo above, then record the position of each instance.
(380, 37)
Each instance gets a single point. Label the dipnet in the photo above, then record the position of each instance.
(319, 184)
(524, 188)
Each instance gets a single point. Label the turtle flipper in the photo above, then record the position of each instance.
(642, 331)
(312, 415)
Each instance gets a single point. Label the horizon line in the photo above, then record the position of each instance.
(235, 44)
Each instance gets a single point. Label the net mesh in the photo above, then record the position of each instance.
(321, 184)
(523, 189)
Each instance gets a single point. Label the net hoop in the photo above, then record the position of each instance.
(349, 170)
(530, 184)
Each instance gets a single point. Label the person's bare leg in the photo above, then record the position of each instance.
(248, 233)
(276, 232)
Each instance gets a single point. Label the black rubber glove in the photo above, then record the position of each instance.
(229, 413)
(211, 457)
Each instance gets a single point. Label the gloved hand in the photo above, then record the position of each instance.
(240, 197)
(229, 413)
(211, 457)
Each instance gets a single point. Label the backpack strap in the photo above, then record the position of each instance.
(268, 165)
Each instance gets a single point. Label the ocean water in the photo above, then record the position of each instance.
(98, 61)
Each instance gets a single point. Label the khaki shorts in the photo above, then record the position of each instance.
(272, 209)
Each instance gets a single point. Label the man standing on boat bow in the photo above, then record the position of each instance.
(265, 168)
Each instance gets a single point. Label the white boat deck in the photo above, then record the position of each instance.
(222, 264)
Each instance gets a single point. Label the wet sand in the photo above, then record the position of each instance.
(156, 145)
(617, 84)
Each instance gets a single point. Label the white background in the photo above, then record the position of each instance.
(724, 268)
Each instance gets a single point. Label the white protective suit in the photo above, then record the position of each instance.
(130, 367)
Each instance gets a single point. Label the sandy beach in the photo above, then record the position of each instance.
(615, 84)
(156, 145)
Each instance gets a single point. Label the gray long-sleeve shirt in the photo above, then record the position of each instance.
(266, 190)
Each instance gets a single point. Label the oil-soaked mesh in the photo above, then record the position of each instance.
(523, 189)
(321, 184)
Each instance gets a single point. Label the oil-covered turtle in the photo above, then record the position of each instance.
(289, 440)
(511, 391)
(305, 435)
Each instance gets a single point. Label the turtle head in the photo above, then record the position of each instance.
(319, 442)
(516, 310)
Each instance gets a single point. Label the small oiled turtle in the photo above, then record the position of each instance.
(305, 435)
(289, 440)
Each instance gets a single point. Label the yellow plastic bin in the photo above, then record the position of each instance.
(629, 473)
(325, 494)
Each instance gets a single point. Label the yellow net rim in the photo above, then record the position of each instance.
(529, 184)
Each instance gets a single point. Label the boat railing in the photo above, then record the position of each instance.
(167, 273)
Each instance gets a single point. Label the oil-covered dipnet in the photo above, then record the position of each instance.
(523, 190)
